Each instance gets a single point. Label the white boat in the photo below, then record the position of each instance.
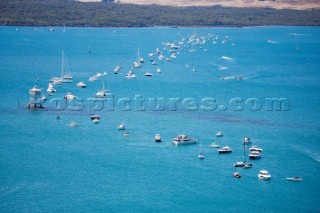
(57, 81)
(121, 126)
(255, 148)
(244, 163)
(201, 156)
(126, 134)
(116, 69)
(103, 92)
(214, 145)
(254, 155)
(294, 178)
(153, 63)
(158, 70)
(93, 78)
(81, 84)
(224, 150)
(219, 134)
(94, 116)
(148, 74)
(183, 139)
(66, 76)
(157, 137)
(73, 124)
(236, 175)
(137, 64)
(264, 175)
(96, 120)
(130, 74)
(70, 96)
(51, 88)
(35, 90)
(246, 140)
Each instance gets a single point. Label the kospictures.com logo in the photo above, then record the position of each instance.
(139, 103)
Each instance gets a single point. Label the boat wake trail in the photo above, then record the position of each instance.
(310, 153)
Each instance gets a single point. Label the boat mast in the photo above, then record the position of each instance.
(62, 63)
(244, 152)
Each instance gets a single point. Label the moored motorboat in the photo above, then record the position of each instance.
(73, 124)
(254, 155)
(183, 139)
(255, 148)
(225, 149)
(81, 84)
(236, 175)
(214, 145)
(264, 175)
(246, 140)
(219, 134)
(96, 120)
(121, 126)
(157, 138)
(70, 96)
(201, 156)
(51, 89)
(94, 116)
(148, 74)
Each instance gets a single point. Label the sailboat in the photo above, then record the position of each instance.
(66, 76)
(102, 93)
(137, 64)
(243, 164)
(201, 154)
(130, 73)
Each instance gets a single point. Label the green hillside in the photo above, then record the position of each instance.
(105, 14)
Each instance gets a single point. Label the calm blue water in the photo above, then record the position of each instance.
(46, 165)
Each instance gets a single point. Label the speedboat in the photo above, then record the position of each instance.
(236, 175)
(294, 179)
(264, 175)
(69, 96)
(121, 126)
(214, 145)
(126, 134)
(81, 84)
(246, 140)
(201, 156)
(73, 124)
(255, 148)
(225, 149)
(148, 74)
(183, 139)
(254, 155)
(157, 137)
(51, 88)
(219, 134)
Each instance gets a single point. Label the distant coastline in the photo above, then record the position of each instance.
(69, 13)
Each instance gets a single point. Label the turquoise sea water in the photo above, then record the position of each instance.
(46, 165)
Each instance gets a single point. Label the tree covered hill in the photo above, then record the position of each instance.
(106, 14)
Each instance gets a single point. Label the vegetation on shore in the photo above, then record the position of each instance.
(78, 14)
